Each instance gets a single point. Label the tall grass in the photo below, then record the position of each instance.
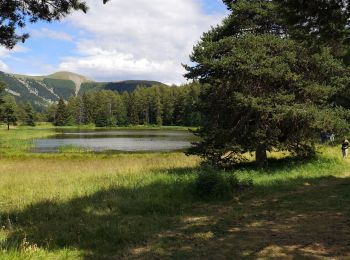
(111, 201)
(328, 162)
(86, 205)
(19, 140)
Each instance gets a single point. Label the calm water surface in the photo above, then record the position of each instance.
(117, 140)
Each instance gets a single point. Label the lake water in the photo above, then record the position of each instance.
(116, 140)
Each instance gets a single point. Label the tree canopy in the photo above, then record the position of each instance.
(9, 111)
(318, 22)
(156, 105)
(14, 14)
(2, 90)
(268, 83)
(61, 115)
(29, 115)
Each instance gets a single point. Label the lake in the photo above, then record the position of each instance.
(116, 140)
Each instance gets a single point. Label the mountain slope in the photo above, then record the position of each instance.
(58, 76)
(76, 78)
(44, 90)
(41, 90)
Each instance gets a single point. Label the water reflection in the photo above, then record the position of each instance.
(117, 140)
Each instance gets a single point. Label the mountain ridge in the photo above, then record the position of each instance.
(62, 75)
(47, 89)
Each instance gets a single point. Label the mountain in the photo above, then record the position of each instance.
(44, 90)
(58, 80)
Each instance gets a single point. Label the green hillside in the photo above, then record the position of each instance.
(40, 91)
(43, 90)
(63, 88)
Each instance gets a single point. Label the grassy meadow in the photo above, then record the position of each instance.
(81, 205)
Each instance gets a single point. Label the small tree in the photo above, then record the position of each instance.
(156, 106)
(61, 115)
(50, 113)
(29, 114)
(9, 109)
(2, 91)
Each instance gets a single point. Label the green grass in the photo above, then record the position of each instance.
(76, 205)
(19, 140)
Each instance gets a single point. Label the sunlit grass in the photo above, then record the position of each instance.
(19, 140)
(132, 189)
(282, 168)
(77, 204)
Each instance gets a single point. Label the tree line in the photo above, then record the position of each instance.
(157, 105)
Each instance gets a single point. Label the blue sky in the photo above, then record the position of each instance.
(142, 39)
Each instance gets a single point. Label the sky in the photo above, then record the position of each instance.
(121, 40)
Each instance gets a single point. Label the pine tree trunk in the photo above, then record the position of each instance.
(8, 126)
(261, 156)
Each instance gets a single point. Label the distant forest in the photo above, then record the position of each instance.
(156, 105)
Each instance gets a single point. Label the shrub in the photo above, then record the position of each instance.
(216, 184)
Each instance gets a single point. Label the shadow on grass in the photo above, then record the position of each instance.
(310, 222)
(100, 224)
(163, 220)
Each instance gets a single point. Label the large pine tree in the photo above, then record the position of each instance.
(263, 88)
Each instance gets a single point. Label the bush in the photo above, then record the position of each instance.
(215, 184)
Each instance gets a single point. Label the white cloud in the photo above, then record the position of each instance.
(111, 65)
(7, 53)
(146, 39)
(4, 52)
(3, 66)
(47, 33)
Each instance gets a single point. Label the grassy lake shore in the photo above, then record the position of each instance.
(143, 206)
